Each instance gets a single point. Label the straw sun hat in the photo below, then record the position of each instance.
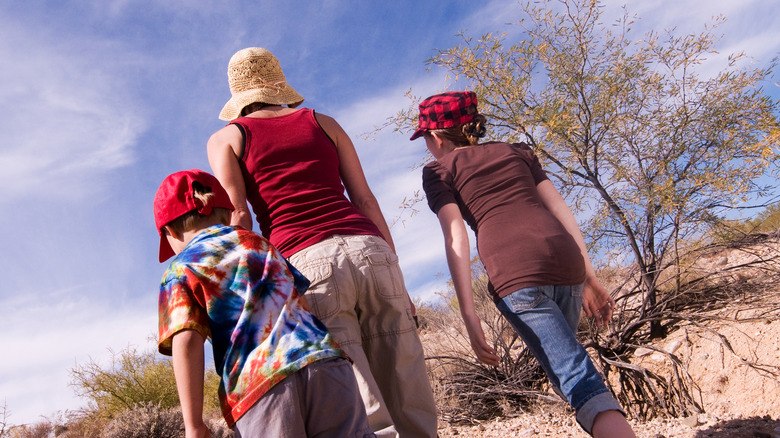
(254, 75)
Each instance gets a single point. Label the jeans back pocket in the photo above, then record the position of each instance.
(524, 299)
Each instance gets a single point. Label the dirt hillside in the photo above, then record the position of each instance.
(734, 361)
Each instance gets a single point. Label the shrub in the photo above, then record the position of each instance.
(146, 420)
(149, 420)
(465, 389)
(135, 377)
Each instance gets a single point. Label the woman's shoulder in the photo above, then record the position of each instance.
(521, 146)
(323, 119)
(431, 165)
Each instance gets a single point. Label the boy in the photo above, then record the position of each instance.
(282, 375)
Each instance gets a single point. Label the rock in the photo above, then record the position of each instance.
(673, 346)
(642, 351)
(691, 421)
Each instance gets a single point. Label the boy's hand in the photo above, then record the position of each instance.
(200, 431)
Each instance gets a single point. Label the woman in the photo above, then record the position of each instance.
(534, 254)
(292, 165)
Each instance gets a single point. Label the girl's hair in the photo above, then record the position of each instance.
(468, 133)
(194, 220)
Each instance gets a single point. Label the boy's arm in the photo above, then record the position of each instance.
(188, 367)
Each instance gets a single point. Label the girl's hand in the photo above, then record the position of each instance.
(597, 302)
(485, 353)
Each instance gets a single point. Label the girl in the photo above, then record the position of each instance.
(534, 254)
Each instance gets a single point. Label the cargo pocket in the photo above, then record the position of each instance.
(323, 293)
(386, 273)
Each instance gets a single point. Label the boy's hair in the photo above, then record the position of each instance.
(194, 220)
(191, 199)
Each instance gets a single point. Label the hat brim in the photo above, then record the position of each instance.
(418, 133)
(286, 96)
(166, 251)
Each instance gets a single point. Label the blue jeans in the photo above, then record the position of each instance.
(546, 318)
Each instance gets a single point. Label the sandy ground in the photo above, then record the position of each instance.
(738, 400)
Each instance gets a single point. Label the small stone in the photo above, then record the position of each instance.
(673, 346)
(691, 421)
(642, 351)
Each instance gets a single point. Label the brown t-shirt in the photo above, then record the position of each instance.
(519, 241)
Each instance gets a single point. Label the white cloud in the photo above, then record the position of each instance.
(49, 335)
(66, 117)
(751, 25)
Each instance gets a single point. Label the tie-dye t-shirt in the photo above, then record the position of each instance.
(233, 287)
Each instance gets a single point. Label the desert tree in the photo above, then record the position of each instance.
(4, 426)
(648, 144)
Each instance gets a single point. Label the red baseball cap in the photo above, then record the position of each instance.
(446, 110)
(175, 198)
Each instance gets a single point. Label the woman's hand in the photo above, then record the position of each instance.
(596, 301)
(485, 353)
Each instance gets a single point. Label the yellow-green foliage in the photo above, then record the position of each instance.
(134, 377)
(643, 139)
(767, 221)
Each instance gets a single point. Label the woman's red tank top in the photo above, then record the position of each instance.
(291, 170)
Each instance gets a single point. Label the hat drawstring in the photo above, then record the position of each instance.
(258, 82)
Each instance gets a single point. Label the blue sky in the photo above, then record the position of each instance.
(102, 99)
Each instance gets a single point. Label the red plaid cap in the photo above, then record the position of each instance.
(176, 197)
(446, 110)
